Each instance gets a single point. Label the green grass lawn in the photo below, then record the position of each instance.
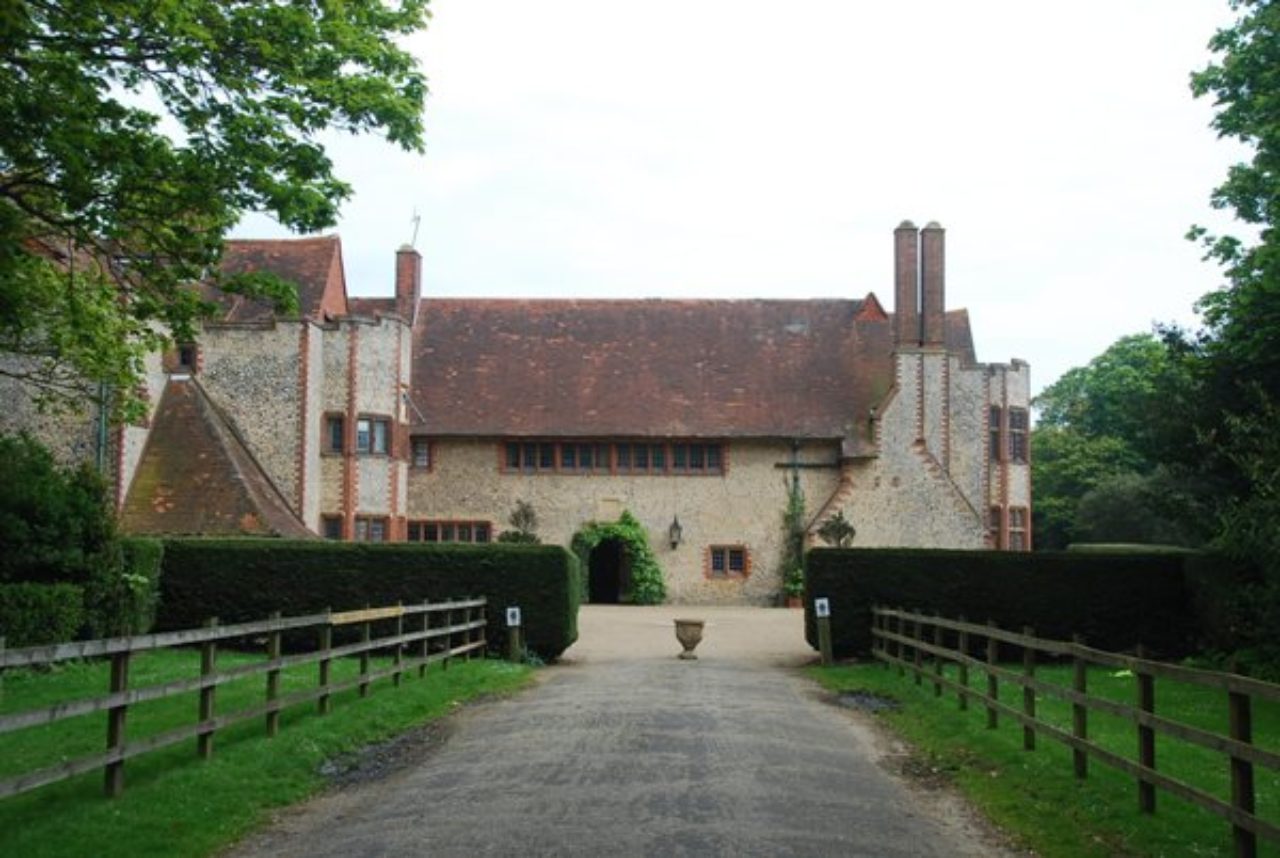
(175, 804)
(1034, 794)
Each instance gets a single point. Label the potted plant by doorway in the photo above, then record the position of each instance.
(793, 586)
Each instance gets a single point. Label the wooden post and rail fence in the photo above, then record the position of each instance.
(899, 638)
(444, 630)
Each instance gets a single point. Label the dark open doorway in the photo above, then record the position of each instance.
(607, 573)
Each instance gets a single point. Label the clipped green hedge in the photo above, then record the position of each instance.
(120, 597)
(239, 580)
(35, 614)
(1116, 600)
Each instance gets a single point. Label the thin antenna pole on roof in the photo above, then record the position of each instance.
(416, 219)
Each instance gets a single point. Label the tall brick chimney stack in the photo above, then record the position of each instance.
(933, 302)
(906, 284)
(408, 283)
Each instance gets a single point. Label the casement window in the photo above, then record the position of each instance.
(420, 453)
(1018, 528)
(1018, 422)
(450, 531)
(335, 427)
(331, 526)
(997, 527)
(727, 561)
(373, 435)
(621, 457)
(370, 529)
(995, 433)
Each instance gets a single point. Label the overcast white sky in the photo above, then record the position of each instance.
(731, 149)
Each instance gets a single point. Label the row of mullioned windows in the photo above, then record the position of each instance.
(373, 435)
(376, 529)
(1016, 537)
(614, 457)
(450, 531)
(1013, 446)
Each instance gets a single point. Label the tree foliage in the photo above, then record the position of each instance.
(134, 134)
(524, 525)
(55, 522)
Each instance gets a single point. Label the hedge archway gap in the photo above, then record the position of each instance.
(648, 586)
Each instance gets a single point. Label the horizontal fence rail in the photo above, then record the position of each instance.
(905, 638)
(445, 630)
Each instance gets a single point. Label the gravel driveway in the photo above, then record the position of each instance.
(624, 750)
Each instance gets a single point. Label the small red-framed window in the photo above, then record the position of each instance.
(728, 562)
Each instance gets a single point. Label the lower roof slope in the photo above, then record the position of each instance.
(658, 368)
(197, 477)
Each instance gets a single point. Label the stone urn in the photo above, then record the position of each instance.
(689, 633)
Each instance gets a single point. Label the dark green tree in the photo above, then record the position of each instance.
(55, 522)
(134, 134)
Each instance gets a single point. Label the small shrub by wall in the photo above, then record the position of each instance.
(36, 614)
(1116, 600)
(238, 580)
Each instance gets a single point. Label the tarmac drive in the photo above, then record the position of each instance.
(621, 749)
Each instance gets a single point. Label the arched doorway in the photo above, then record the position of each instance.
(607, 578)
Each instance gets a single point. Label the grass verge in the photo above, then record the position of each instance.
(1034, 796)
(174, 804)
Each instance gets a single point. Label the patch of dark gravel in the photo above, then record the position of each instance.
(383, 759)
(867, 701)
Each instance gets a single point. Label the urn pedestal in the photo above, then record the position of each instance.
(689, 633)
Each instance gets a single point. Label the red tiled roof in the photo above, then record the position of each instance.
(314, 264)
(197, 477)
(650, 368)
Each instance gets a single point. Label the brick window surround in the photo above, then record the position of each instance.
(372, 528)
(995, 432)
(439, 530)
(422, 453)
(1018, 528)
(727, 562)
(683, 457)
(331, 526)
(997, 527)
(373, 435)
(1018, 424)
(333, 440)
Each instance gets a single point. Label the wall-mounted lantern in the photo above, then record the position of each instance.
(675, 532)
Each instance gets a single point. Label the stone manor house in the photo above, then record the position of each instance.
(427, 419)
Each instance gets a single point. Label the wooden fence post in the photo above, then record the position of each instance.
(1146, 736)
(993, 683)
(208, 693)
(937, 656)
(1079, 711)
(917, 635)
(962, 693)
(324, 702)
(1242, 795)
(824, 640)
(426, 641)
(448, 639)
(273, 680)
(114, 779)
(901, 656)
(397, 657)
(1029, 693)
(366, 633)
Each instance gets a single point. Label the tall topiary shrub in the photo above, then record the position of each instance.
(648, 587)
